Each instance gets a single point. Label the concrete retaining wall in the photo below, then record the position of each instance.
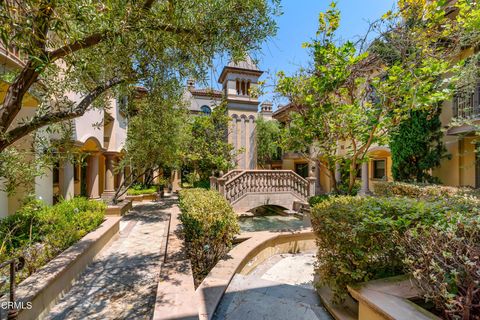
(45, 286)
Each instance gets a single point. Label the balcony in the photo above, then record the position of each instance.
(12, 56)
(466, 105)
(466, 108)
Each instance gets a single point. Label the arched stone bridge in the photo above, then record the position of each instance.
(249, 189)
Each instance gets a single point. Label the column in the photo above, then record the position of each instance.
(3, 200)
(252, 148)
(176, 180)
(93, 178)
(67, 186)
(364, 189)
(243, 142)
(109, 176)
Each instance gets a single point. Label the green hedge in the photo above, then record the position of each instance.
(39, 232)
(358, 237)
(141, 189)
(209, 225)
(424, 191)
(445, 261)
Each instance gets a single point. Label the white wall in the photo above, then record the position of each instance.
(3, 202)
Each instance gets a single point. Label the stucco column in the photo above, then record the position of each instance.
(3, 200)
(176, 180)
(67, 186)
(311, 186)
(365, 190)
(93, 178)
(252, 149)
(109, 176)
(243, 142)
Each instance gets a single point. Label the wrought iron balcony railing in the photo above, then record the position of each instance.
(466, 103)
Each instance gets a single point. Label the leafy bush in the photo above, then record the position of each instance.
(210, 224)
(312, 201)
(445, 260)
(423, 191)
(357, 237)
(203, 184)
(39, 232)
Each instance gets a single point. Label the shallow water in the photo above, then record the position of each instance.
(270, 223)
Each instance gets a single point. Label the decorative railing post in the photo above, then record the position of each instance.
(221, 186)
(311, 186)
(213, 183)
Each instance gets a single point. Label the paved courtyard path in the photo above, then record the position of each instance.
(121, 282)
(281, 288)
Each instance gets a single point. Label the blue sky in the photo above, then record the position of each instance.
(299, 23)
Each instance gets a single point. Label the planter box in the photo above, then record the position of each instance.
(119, 209)
(45, 286)
(387, 299)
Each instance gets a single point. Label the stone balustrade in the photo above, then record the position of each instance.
(236, 184)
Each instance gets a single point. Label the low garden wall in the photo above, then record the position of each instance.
(119, 209)
(46, 285)
(243, 259)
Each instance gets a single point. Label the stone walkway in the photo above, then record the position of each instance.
(281, 288)
(121, 282)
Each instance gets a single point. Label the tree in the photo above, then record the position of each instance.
(268, 136)
(352, 97)
(88, 47)
(155, 138)
(417, 146)
(207, 149)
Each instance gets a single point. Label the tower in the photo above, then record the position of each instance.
(238, 81)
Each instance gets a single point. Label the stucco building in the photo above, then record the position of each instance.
(99, 136)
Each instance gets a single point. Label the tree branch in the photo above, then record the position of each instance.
(40, 121)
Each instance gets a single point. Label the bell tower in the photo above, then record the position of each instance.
(238, 81)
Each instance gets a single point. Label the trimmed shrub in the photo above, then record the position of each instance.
(39, 232)
(139, 189)
(209, 225)
(357, 237)
(423, 191)
(445, 261)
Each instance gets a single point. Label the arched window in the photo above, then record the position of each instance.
(243, 87)
(206, 110)
(238, 87)
(248, 88)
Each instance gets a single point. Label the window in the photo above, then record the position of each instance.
(206, 110)
(248, 88)
(243, 87)
(379, 169)
(466, 102)
(238, 86)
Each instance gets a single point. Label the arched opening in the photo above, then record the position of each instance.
(248, 88)
(270, 218)
(243, 87)
(238, 86)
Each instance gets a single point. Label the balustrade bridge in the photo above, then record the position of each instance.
(249, 189)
